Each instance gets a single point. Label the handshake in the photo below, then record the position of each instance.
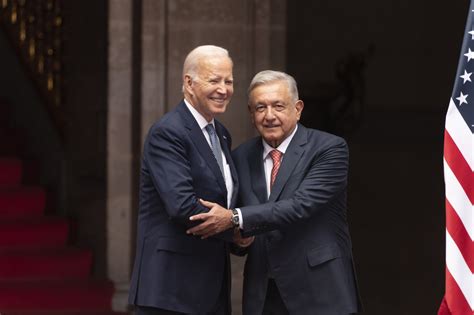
(217, 220)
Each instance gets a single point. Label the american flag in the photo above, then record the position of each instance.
(459, 184)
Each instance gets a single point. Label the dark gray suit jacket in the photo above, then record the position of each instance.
(173, 270)
(303, 239)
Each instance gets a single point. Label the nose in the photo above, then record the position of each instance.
(221, 88)
(269, 114)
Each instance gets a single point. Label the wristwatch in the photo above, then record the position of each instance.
(235, 218)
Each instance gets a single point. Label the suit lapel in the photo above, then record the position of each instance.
(257, 173)
(292, 155)
(225, 144)
(196, 135)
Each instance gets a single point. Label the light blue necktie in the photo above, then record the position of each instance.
(215, 146)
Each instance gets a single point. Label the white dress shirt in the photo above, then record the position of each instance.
(268, 164)
(202, 122)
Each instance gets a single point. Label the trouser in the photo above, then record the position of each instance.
(274, 304)
(221, 308)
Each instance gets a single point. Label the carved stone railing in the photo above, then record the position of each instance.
(34, 28)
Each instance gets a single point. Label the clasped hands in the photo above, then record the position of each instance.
(217, 220)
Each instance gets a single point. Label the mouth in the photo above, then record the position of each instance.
(218, 100)
(271, 126)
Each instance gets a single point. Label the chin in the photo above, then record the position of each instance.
(269, 139)
(218, 111)
(271, 136)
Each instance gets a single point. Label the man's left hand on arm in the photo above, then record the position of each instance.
(217, 220)
(240, 241)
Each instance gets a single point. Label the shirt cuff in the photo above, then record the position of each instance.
(241, 220)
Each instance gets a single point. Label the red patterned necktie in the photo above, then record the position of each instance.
(276, 157)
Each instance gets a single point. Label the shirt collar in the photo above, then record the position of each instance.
(202, 122)
(282, 147)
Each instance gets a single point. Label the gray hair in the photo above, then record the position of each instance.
(271, 76)
(202, 52)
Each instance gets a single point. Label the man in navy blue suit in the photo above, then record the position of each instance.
(186, 156)
(293, 197)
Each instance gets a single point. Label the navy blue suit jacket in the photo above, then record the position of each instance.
(173, 270)
(303, 239)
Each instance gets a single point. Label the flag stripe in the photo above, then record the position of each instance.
(458, 175)
(458, 199)
(459, 270)
(460, 236)
(460, 133)
(459, 166)
(455, 298)
(459, 183)
(444, 308)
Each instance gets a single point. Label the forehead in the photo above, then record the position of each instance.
(217, 66)
(270, 92)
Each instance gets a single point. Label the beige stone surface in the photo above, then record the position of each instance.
(154, 67)
(120, 178)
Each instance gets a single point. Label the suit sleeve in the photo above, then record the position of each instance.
(167, 159)
(325, 180)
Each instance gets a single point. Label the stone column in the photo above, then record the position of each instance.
(154, 89)
(120, 172)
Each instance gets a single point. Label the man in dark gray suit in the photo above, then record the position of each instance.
(293, 196)
(186, 156)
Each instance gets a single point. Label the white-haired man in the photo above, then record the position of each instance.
(186, 156)
(292, 197)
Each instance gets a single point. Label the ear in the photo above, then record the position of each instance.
(188, 83)
(299, 105)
